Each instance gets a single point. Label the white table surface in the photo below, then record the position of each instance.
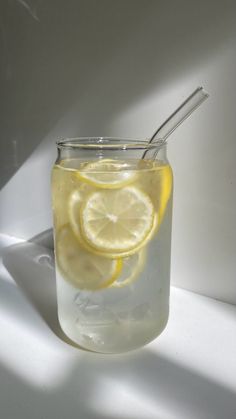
(189, 372)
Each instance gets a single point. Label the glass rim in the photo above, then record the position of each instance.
(108, 143)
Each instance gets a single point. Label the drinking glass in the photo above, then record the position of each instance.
(112, 209)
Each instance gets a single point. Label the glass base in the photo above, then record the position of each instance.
(113, 337)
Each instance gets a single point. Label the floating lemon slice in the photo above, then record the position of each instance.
(165, 191)
(83, 269)
(158, 185)
(64, 182)
(107, 174)
(132, 267)
(116, 221)
(75, 203)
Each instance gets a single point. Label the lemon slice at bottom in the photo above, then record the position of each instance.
(132, 267)
(83, 269)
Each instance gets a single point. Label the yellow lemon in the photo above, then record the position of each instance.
(116, 221)
(132, 267)
(107, 174)
(157, 183)
(83, 269)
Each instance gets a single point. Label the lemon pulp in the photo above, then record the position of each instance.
(117, 221)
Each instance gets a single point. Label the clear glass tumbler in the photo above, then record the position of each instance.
(112, 206)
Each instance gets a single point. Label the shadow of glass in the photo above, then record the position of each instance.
(44, 239)
(61, 403)
(137, 385)
(156, 385)
(31, 265)
(141, 385)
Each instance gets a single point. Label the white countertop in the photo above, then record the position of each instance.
(189, 372)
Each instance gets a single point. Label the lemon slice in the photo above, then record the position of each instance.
(75, 202)
(83, 269)
(116, 221)
(165, 191)
(107, 173)
(132, 267)
(157, 183)
(63, 182)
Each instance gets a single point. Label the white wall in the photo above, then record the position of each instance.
(119, 68)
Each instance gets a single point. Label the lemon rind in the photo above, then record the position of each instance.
(137, 270)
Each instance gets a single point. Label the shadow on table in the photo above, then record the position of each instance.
(140, 385)
(31, 265)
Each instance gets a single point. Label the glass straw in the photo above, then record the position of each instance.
(178, 116)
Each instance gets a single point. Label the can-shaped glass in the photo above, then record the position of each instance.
(112, 211)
